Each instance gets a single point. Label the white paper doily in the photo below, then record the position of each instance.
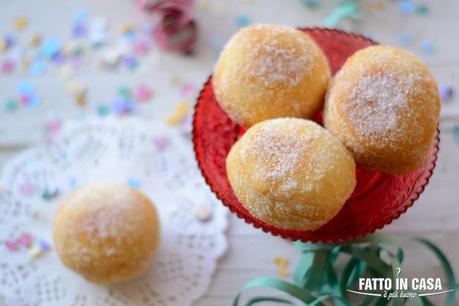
(153, 157)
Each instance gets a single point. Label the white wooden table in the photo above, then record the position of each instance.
(251, 252)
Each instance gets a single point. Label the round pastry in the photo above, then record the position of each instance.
(270, 71)
(384, 105)
(291, 173)
(106, 232)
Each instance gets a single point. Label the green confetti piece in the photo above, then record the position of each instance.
(103, 110)
(456, 133)
(422, 10)
(49, 194)
(11, 105)
(125, 92)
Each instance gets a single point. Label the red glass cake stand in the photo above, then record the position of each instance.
(378, 198)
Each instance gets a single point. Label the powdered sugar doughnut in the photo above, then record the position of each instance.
(270, 71)
(384, 105)
(106, 232)
(291, 173)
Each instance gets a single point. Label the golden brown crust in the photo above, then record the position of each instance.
(291, 173)
(270, 71)
(106, 232)
(384, 105)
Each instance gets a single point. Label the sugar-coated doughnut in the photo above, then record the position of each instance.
(384, 105)
(270, 71)
(106, 232)
(291, 173)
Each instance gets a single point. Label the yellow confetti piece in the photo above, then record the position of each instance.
(25, 63)
(35, 252)
(203, 214)
(78, 91)
(35, 41)
(176, 80)
(282, 262)
(379, 5)
(2, 45)
(181, 111)
(20, 23)
(127, 28)
(203, 4)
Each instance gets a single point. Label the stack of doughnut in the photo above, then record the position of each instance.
(381, 112)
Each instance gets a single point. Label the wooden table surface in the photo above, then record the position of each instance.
(251, 252)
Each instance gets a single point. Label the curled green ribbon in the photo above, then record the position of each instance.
(317, 279)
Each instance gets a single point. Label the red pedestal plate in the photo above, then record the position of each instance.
(378, 198)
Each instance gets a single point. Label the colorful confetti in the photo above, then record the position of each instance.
(203, 214)
(282, 263)
(10, 105)
(25, 240)
(37, 68)
(181, 111)
(48, 194)
(160, 143)
(446, 93)
(78, 92)
(142, 93)
(20, 23)
(103, 110)
(7, 66)
(133, 182)
(427, 47)
(456, 133)
(407, 7)
(242, 21)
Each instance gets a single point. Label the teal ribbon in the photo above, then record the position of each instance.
(317, 279)
(345, 9)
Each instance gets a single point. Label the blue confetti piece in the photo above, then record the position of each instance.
(446, 93)
(404, 39)
(133, 183)
(122, 106)
(79, 30)
(26, 88)
(130, 36)
(10, 41)
(34, 102)
(43, 244)
(130, 62)
(427, 47)
(37, 68)
(80, 16)
(407, 7)
(242, 21)
(50, 47)
(456, 133)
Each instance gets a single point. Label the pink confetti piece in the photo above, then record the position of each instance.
(27, 189)
(141, 48)
(160, 143)
(11, 245)
(7, 66)
(25, 240)
(54, 127)
(24, 100)
(142, 93)
(187, 90)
